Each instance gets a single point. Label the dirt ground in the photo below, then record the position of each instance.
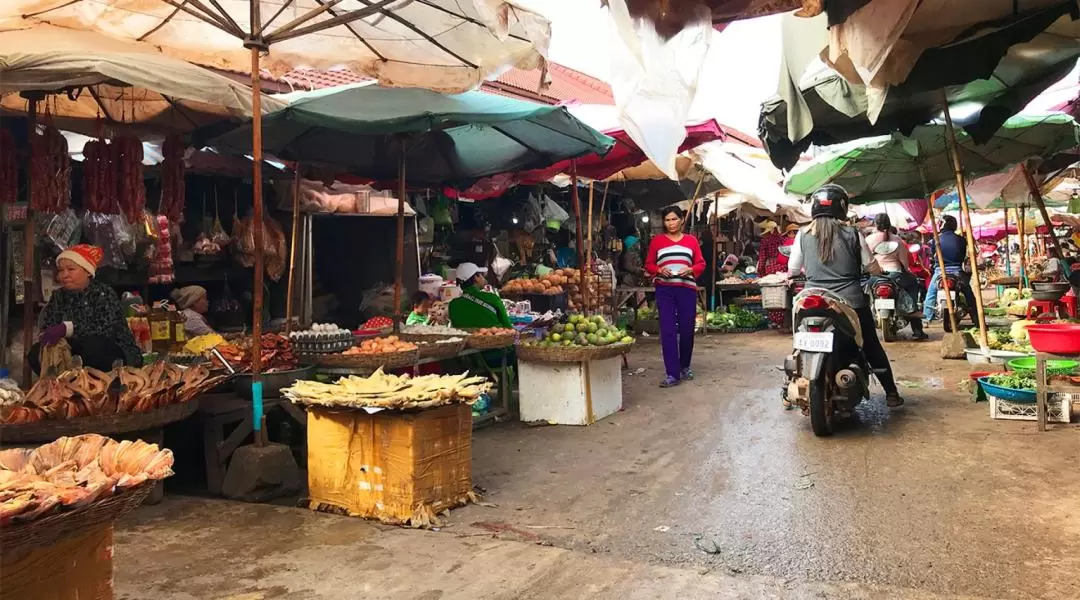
(706, 490)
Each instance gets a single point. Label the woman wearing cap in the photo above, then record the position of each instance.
(675, 262)
(86, 313)
(476, 308)
(193, 304)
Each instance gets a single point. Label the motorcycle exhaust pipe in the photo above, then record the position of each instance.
(846, 378)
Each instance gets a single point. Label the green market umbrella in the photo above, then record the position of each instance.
(898, 168)
(444, 139)
(418, 136)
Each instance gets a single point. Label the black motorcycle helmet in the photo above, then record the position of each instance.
(830, 200)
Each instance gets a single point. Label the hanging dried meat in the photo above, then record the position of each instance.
(50, 171)
(9, 169)
(172, 179)
(131, 191)
(273, 245)
(95, 162)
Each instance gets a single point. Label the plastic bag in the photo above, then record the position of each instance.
(551, 211)
(102, 231)
(62, 229)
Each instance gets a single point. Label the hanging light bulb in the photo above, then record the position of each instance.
(644, 218)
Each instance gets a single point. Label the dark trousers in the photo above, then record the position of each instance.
(96, 351)
(678, 308)
(874, 351)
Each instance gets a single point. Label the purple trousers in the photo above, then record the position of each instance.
(677, 306)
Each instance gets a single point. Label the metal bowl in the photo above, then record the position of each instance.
(1048, 295)
(1056, 286)
(273, 383)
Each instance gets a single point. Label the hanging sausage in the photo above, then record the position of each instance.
(9, 168)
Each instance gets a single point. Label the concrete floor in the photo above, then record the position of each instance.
(707, 490)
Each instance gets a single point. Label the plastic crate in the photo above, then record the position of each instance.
(1058, 409)
(775, 297)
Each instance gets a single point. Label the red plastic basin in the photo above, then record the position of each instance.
(1055, 338)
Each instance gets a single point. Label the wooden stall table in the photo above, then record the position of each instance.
(623, 294)
(218, 410)
(732, 287)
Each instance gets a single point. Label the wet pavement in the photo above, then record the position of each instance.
(706, 490)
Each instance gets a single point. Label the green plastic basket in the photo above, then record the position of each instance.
(1026, 365)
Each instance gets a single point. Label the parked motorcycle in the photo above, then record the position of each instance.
(919, 270)
(828, 375)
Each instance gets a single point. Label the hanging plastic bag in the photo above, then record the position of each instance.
(217, 232)
(500, 265)
(62, 229)
(441, 212)
(552, 212)
(100, 231)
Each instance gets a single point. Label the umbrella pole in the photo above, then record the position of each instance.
(1008, 254)
(257, 201)
(580, 238)
(961, 188)
(1037, 195)
(937, 247)
(1023, 247)
(292, 249)
(399, 266)
(28, 252)
(589, 246)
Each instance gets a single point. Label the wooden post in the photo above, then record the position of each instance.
(399, 254)
(589, 248)
(585, 297)
(29, 263)
(1037, 195)
(257, 228)
(1008, 252)
(937, 249)
(961, 189)
(292, 249)
(1023, 247)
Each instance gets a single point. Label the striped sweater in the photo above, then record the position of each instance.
(682, 258)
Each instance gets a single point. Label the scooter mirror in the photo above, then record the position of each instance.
(914, 248)
(785, 250)
(886, 247)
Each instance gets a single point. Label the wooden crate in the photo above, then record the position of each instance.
(78, 567)
(390, 465)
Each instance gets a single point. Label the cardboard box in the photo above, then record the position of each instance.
(391, 465)
(76, 568)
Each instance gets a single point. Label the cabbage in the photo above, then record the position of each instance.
(1010, 295)
(1018, 331)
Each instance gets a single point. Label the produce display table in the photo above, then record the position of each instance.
(1043, 389)
(623, 295)
(732, 287)
(501, 373)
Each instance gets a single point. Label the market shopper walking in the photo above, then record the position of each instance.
(675, 262)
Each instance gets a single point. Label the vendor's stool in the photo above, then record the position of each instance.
(1069, 302)
(1042, 307)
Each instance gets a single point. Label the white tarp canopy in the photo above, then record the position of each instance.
(758, 186)
(443, 45)
(96, 81)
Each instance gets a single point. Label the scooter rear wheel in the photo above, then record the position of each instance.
(887, 333)
(821, 414)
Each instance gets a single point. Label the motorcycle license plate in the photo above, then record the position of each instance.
(952, 295)
(814, 341)
(885, 304)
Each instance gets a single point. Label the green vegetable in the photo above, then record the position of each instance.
(736, 317)
(1013, 381)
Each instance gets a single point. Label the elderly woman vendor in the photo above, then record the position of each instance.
(193, 303)
(86, 313)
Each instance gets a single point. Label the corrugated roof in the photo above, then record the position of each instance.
(566, 84)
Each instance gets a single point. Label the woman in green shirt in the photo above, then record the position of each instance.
(476, 308)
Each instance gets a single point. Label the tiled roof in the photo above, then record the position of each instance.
(566, 84)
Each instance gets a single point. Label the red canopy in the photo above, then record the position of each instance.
(624, 154)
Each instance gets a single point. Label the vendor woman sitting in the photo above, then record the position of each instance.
(193, 304)
(87, 313)
(476, 308)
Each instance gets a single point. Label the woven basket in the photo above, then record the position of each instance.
(569, 354)
(490, 342)
(433, 350)
(19, 538)
(393, 360)
(49, 430)
(429, 337)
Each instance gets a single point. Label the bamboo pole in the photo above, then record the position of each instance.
(937, 249)
(29, 263)
(1023, 247)
(1037, 195)
(292, 249)
(1008, 253)
(961, 188)
(576, 199)
(589, 246)
(399, 254)
(257, 225)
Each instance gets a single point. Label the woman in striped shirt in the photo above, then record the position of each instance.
(675, 262)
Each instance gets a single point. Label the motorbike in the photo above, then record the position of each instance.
(918, 269)
(890, 301)
(827, 372)
(952, 284)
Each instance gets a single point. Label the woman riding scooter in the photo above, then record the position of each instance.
(897, 265)
(833, 257)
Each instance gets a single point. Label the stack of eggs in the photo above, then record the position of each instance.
(322, 338)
